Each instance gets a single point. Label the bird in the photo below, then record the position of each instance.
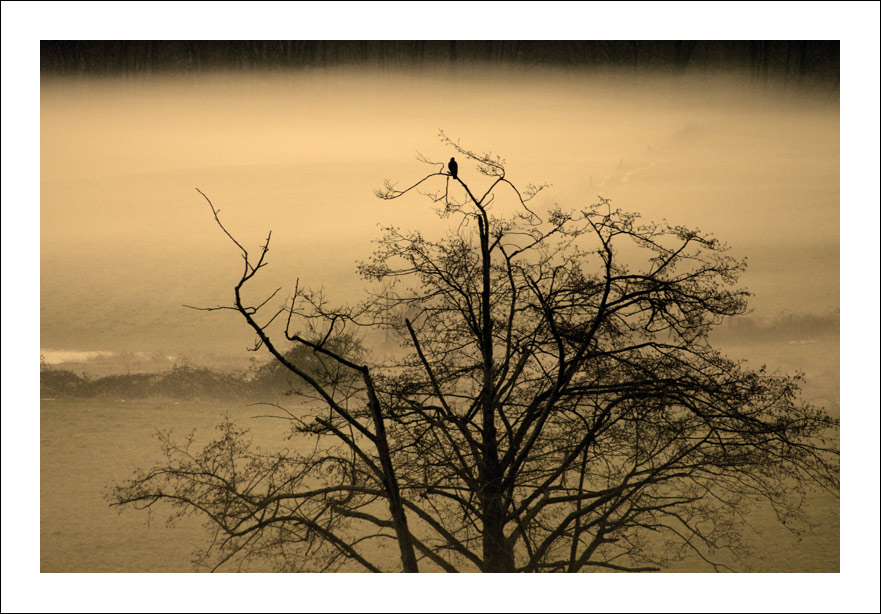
(454, 168)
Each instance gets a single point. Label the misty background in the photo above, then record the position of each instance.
(740, 140)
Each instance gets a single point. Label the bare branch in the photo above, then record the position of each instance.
(555, 405)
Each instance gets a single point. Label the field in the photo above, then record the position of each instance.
(86, 445)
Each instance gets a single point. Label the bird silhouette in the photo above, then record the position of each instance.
(454, 168)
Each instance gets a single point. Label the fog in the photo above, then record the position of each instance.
(126, 240)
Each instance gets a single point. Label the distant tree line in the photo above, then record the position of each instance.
(796, 62)
(183, 383)
(785, 328)
(263, 382)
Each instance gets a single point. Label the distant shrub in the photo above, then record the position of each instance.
(56, 383)
(274, 378)
(190, 383)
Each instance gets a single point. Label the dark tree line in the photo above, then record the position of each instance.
(788, 61)
(188, 382)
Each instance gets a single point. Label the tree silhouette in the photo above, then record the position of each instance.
(556, 405)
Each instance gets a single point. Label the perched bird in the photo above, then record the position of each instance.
(454, 168)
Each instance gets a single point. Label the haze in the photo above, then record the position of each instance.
(126, 240)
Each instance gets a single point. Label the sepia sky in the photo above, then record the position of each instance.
(124, 239)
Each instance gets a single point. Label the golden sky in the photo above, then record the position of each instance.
(125, 239)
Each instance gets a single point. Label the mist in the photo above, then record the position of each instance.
(126, 240)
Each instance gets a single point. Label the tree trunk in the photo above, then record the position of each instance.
(498, 556)
(390, 482)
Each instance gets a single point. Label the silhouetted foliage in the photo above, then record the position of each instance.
(274, 376)
(556, 406)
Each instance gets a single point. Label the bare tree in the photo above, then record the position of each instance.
(556, 405)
